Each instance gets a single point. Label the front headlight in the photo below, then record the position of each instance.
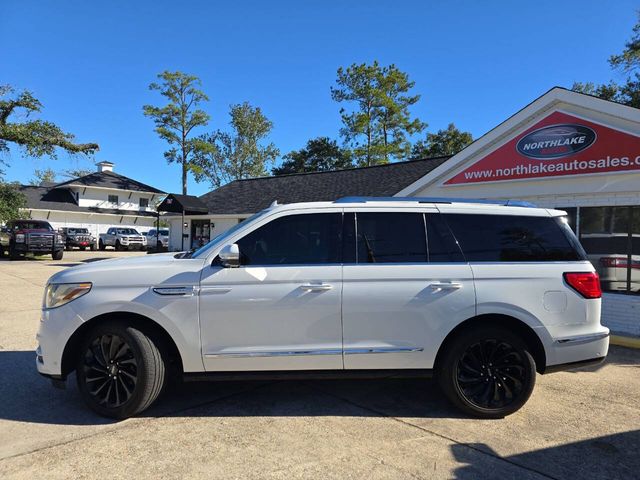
(19, 237)
(59, 239)
(58, 294)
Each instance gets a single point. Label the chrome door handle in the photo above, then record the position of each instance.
(316, 287)
(439, 286)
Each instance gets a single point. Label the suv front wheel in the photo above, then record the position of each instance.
(487, 372)
(120, 370)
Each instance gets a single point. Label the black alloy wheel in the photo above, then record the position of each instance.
(491, 374)
(110, 371)
(486, 371)
(120, 369)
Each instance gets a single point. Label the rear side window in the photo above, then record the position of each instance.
(390, 238)
(305, 239)
(509, 238)
(441, 244)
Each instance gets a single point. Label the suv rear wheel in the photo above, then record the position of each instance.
(487, 372)
(120, 370)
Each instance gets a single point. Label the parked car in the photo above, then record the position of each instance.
(78, 237)
(482, 296)
(122, 239)
(19, 237)
(158, 238)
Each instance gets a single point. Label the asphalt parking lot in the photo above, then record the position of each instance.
(577, 425)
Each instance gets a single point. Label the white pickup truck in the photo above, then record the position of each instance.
(122, 239)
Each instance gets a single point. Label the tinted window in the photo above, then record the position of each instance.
(509, 238)
(295, 239)
(390, 238)
(441, 245)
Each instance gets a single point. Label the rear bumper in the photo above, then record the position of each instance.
(573, 365)
(578, 351)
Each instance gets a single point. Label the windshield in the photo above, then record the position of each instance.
(204, 250)
(32, 226)
(164, 233)
(127, 231)
(77, 230)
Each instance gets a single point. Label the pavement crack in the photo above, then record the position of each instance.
(431, 432)
(132, 422)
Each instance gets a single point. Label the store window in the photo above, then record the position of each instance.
(611, 238)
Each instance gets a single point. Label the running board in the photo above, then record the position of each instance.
(307, 375)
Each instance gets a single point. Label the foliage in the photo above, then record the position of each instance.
(222, 157)
(319, 155)
(39, 176)
(378, 126)
(176, 120)
(441, 143)
(76, 173)
(628, 62)
(36, 137)
(11, 201)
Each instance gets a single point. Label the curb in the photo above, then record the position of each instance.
(629, 342)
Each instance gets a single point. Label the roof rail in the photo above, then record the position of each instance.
(508, 203)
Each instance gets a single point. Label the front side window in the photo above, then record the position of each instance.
(390, 238)
(305, 239)
(511, 238)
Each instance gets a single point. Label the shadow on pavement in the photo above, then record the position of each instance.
(25, 396)
(28, 397)
(611, 456)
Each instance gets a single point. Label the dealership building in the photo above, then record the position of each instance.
(564, 150)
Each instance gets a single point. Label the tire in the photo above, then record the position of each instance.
(83, 248)
(118, 246)
(101, 245)
(68, 248)
(14, 254)
(487, 372)
(119, 353)
(92, 247)
(57, 254)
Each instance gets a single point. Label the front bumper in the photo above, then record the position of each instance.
(57, 325)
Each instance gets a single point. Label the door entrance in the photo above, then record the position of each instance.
(200, 233)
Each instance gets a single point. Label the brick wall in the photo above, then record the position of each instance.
(621, 313)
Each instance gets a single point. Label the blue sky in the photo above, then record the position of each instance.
(474, 63)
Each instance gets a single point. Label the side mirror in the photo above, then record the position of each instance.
(230, 256)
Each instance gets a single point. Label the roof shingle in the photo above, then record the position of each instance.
(253, 195)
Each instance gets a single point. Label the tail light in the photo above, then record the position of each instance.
(586, 284)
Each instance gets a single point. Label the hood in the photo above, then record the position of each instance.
(145, 270)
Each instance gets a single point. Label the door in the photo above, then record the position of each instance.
(280, 310)
(200, 231)
(405, 285)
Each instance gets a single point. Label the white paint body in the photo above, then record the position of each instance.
(333, 317)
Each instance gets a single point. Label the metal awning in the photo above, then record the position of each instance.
(182, 204)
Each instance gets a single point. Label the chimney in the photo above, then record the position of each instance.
(105, 166)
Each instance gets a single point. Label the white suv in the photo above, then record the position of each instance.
(481, 295)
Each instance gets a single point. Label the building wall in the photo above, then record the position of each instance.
(99, 197)
(176, 228)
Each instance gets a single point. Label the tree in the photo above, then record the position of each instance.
(35, 137)
(222, 157)
(628, 62)
(43, 176)
(12, 200)
(441, 143)
(176, 120)
(76, 172)
(319, 155)
(377, 128)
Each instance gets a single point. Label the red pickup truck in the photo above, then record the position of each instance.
(30, 236)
